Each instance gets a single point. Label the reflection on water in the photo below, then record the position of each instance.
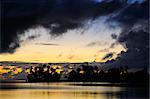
(68, 91)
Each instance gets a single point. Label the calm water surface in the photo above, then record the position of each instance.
(69, 91)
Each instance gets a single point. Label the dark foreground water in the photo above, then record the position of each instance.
(64, 90)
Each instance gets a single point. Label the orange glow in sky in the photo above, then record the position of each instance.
(73, 46)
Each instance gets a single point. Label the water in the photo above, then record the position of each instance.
(67, 90)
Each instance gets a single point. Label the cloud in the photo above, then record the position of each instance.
(71, 57)
(114, 44)
(103, 50)
(32, 37)
(58, 16)
(137, 54)
(135, 1)
(96, 43)
(60, 55)
(114, 36)
(108, 56)
(134, 37)
(51, 44)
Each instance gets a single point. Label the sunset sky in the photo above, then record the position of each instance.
(77, 45)
(112, 31)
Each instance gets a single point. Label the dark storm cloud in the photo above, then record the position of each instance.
(134, 37)
(133, 12)
(137, 54)
(17, 16)
(56, 15)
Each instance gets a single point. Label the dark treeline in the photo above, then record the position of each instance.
(85, 73)
(111, 75)
(39, 75)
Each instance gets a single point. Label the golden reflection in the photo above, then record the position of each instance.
(48, 94)
(57, 91)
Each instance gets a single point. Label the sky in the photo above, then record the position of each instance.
(110, 31)
(73, 46)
